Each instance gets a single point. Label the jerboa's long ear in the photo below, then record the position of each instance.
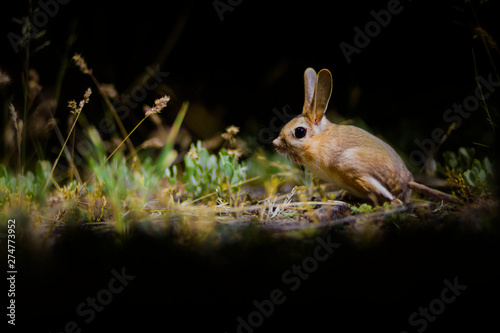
(321, 97)
(309, 86)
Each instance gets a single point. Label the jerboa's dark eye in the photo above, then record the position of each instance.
(300, 132)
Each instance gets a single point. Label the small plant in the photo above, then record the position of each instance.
(363, 208)
(28, 186)
(266, 165)
(207, 173)
(367, 208)
(276, 169)
(465, 170)
(480, 175)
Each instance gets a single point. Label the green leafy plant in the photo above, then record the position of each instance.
(207, 174)
(30, 185)
(480, 175)
(124, 186)
(363, 208)
(460, 161)
(464, 169)
(367, 208)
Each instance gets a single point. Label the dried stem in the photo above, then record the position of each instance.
(77, 109)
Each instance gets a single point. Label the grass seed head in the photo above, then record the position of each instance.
(80, 62)
(230, 133)
(76, 109)
(160, 104)
(237, 153)
(193, 154)
(4, 78)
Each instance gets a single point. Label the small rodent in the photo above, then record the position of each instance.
(345, 155)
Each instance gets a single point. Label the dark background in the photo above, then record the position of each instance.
(235, 72)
